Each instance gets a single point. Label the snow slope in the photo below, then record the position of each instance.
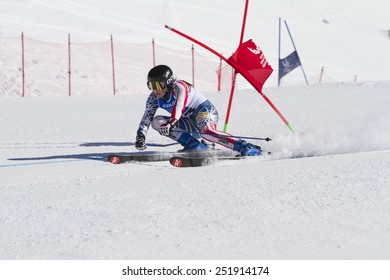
(323, 193)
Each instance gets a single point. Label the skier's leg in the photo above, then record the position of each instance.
(206, 119)
(187, 134)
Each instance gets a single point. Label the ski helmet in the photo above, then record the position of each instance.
(160, 77)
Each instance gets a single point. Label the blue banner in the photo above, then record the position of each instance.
(289, 63)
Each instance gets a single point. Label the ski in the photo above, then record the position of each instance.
(161, 156)
(204, 160)
(178, 158)
(195, 161)
(140, 157)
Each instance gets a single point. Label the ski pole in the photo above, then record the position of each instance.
(226, 135)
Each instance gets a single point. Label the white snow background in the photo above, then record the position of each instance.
(324, 193)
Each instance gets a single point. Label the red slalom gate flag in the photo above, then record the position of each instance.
(252, 64)
(249, 61)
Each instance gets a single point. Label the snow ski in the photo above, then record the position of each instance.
(197, 160)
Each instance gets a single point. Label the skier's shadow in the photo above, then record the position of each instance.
(93, 156)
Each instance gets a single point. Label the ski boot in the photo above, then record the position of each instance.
(247, 149)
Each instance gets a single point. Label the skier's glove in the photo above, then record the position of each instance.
(166, 128)
(140, 142)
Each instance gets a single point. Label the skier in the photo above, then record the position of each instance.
(192, 116)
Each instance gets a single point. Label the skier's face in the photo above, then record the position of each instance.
(160, 92)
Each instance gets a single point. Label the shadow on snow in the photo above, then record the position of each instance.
(93, 156)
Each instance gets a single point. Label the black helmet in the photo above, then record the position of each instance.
(160, 77)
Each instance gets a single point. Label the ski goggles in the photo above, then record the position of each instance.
(156, 85)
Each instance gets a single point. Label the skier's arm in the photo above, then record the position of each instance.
(150, 111)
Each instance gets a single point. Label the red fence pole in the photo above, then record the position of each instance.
(193, 64)
(154, 53)
(113, 65)
(69, 68)
(322, 73)
(219, 74)
(23, 82)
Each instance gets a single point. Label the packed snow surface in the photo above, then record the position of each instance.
(323, 193)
